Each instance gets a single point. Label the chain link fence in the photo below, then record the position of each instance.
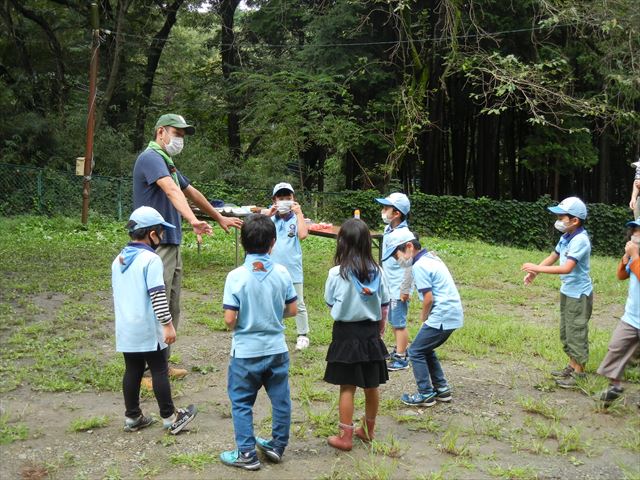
(33, 190)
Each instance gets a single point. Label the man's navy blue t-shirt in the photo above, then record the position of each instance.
(149, 168)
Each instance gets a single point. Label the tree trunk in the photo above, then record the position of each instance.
(230, 62)
(153, 58)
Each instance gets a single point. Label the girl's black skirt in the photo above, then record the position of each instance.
(356, 355)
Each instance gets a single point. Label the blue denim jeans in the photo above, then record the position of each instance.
(245, 377)
(424, 362)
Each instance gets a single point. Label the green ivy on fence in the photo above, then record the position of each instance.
(29, 190)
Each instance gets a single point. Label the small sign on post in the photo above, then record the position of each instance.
(80, 166)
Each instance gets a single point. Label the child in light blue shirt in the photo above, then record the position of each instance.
(257, 296)
(291, 229)
(143, 323)
(625, 339)
(576, 290)
(356, 292)
(441, 315)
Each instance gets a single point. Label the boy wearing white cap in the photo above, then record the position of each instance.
(290, 230)
(576, 291)
(441, 315)
(144, 327)
(395, 209)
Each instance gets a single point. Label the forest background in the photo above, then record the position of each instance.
(478, 98)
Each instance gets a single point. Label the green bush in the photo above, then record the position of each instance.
(26, 190)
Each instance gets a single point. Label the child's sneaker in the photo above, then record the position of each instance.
(397, 362)
(302, 342)
(443, 394)
(272, 453)
(236, 458)
(182, 417)
(419, 400)
(135, 424)
(610, 394)
(564, 373)
(572, 382)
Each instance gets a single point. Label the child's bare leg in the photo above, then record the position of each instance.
(402, 340)
(371, 402)
(345, 404)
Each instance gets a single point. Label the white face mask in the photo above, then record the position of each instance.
(385, 219)
(405, 262)
(560, 226)
(284, 206)
(175, 145)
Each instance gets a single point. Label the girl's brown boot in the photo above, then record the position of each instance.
(365, 432)
(344, 440)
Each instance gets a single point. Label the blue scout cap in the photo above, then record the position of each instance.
(397, 237)
(147, 217)
(570, 206)
(634, 223)
(397, 200)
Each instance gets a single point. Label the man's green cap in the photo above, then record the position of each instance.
(177, 121)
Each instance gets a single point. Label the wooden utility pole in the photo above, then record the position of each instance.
(93, 76)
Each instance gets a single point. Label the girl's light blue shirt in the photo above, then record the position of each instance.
(346, 302)
(137, 328)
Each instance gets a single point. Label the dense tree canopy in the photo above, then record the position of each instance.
(478, 98)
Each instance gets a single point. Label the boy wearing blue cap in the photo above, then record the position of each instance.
(626, 337)
(441, 315)
(291, 229)
(257, 296)
(576, 291)
(144, 325)
(395, 209)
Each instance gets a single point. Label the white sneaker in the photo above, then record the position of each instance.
(302, 342)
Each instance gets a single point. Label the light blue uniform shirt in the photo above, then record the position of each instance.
(575, 246)
(287, 250)
(430, 274)
(137, 328)
(258, 290)
(346, 302)
(393, 272)
(632, 307)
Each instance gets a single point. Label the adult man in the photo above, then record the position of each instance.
(159, 184)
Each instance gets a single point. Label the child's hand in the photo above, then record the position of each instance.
(295, 208)
(169, 333)
(529, 278)
(273, 210)
(529, 268)
(404, 297)
(631, 249)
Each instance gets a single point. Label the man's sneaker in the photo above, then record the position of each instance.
(564, 373)
(236, 458)
(177, 373)
(302, 342)
(610, 394)
(135, 424)
(272, 453)
(183, 417)
(443, 394)
(419, 400)
(397, 362)
(572, 381)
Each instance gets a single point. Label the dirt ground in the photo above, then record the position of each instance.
(483, 433)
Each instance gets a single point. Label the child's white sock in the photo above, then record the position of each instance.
(167, 422)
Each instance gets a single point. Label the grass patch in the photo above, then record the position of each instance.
(541, 407)
(10, 432)
(84, 424)
(194, 461)
(514, 473)
(389, 447)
